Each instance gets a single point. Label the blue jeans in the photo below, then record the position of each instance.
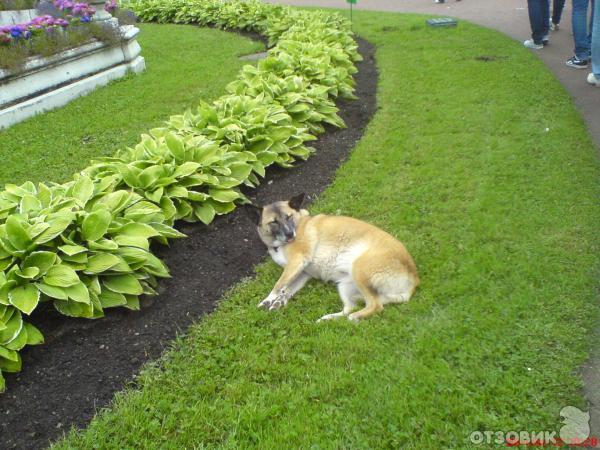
(581, 35)
(596, 40)
(539, 18)
(557, 9)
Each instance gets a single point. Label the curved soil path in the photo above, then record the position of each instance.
(84, 362)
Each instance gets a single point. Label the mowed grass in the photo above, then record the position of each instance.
(479, 163)
(184, 64)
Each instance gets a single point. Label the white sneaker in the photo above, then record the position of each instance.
(530, 44)
(593, 80)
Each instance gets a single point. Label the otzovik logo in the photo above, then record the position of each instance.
(575, 432)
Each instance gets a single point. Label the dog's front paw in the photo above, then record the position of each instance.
(277, 303)
(266, 303)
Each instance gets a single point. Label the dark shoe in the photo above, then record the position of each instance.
(577, 63)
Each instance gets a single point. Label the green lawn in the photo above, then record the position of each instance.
(184, 64)
(483, 168)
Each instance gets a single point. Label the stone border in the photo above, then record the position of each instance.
(15, 17)
(48, 83)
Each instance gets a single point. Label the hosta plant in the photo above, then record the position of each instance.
(84, 245)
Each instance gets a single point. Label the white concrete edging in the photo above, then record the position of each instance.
(17, 17)
(83, 69)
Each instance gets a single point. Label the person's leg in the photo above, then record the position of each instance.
(591, 27)
(557, 9)
(545, 5)
(596, 42)
(580, 29)
(538, 19)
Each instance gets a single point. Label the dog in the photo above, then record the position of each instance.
(364, 261)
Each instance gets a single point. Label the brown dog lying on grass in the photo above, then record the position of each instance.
(365, 262)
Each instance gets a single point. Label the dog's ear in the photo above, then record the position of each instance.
(254, 212)
(296, 202)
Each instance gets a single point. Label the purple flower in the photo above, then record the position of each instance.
(110, 6)
(15, 32)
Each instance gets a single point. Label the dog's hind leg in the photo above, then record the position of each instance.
(349, 294)
(361, 272)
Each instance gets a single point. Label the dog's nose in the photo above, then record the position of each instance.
(289, 235)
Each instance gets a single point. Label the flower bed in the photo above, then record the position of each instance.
(84, 245)
(46, 34)
(49, 61)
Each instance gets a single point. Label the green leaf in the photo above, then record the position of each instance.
(29, 203)
(156, 267)
(24, 297)
(71, 250)
(8, 354)
(96, 224)
(240, 171)
(13, 327)
(19, 341)
(133, 302)
(175, 146)
(115, 201)
(52, 291)
(98, 311)
(223, 195)
(110, 299)
(58, 222)
(17, 233)
(187, 168)
(124, 284)
(34, 336)
(61, 276)
(130, 175)
(132, 241)
(42, 260)
(78, 293)
(138, 229)
(155, 195)
(133, 255)
(167, 231)
(74, 309)
(2, 383)
(83, 189)
(222, 208)
(150, 175)
(5, 289)
(103, 244)
(101, 262)
(27, 273)
(205, 212)
(6, 365)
